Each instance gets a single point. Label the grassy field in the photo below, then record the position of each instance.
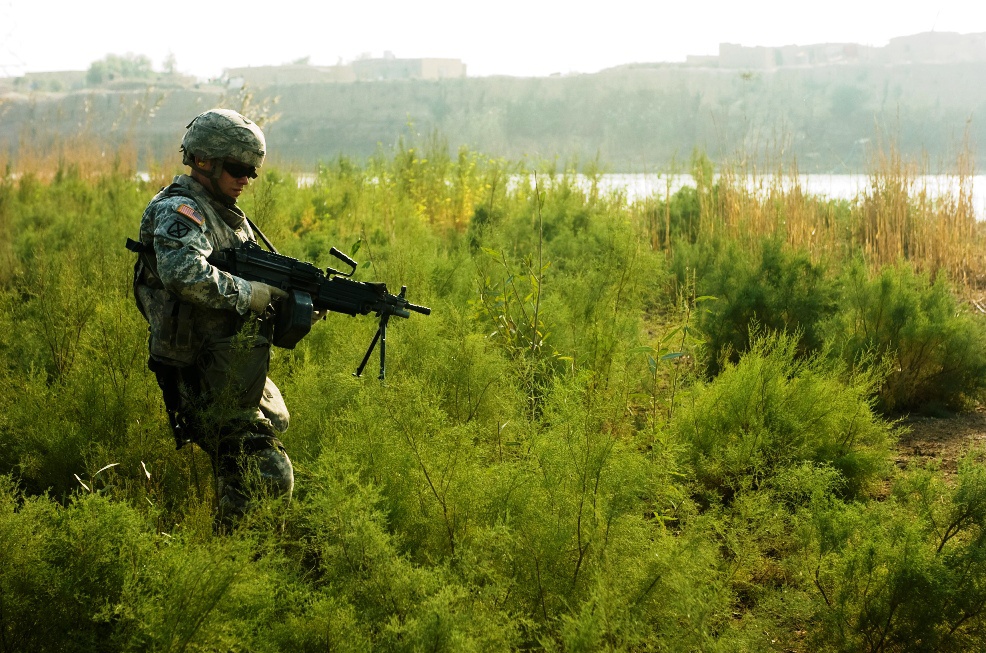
(665, 425)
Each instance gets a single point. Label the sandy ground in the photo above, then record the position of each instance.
(941, 440)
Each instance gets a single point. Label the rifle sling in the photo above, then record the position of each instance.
(257, 230)
(146, 256)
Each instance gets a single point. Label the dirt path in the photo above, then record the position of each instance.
(942, 439)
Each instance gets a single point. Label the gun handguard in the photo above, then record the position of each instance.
(310, 289)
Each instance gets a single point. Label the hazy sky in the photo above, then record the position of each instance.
(510, 37)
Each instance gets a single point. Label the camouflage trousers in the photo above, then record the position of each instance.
(250, 465)
(248, 460)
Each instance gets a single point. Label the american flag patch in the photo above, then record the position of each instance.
(189, 212)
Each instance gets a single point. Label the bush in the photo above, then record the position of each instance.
(525, 478)
(63, 571)
(675, 220)
(906, 574)
(934, 351)
(369, 591)
(775, 288)
(773, 410)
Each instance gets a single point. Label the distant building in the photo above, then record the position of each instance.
(702, 60)
(936, 47)
(821, 54)
(928, 47)
(732, 55)
(388, 67)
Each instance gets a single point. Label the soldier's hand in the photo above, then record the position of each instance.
(261, 295)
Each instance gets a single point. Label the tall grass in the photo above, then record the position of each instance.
(899, 215)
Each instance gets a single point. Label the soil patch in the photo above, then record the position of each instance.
(941, 440)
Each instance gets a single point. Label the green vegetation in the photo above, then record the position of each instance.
(662, 425)
(114, 66)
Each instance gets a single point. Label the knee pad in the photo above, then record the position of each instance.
(274, 468)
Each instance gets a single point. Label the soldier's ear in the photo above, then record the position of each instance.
(203, 165)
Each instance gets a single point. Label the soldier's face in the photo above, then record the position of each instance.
(232, 186)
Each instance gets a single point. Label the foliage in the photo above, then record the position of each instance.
(773, 410)
(905, 574)
(935, 352)
(545, 467)
(114, 66)
(772, 288)
(636, 117)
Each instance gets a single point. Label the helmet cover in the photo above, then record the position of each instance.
(224, 134)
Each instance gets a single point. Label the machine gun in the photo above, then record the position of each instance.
(310, 289)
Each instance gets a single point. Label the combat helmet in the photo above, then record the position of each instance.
(224, 134)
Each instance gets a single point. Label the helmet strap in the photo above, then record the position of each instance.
(217, 172)
(210, 179)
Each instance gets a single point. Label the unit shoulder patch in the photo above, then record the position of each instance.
(191, 214)
(178, 229)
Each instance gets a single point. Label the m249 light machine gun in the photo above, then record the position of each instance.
(310, 289)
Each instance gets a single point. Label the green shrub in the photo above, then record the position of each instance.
(519, 481)
(676, 222)
(934, 351)
(906, 574)
(359, 566)
(774, 288)
(773, 410)
(64, 571)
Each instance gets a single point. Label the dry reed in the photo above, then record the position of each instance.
(904, 213)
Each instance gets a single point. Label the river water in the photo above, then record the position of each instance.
(848, 187)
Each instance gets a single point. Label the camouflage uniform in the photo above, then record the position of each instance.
(209, 352)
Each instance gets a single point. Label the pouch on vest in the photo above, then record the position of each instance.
(176, 329)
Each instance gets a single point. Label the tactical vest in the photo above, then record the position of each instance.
(179, 329)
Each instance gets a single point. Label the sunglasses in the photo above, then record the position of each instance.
(237, 170)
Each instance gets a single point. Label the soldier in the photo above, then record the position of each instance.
(209, 330)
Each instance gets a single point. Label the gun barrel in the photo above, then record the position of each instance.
(424, 310)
